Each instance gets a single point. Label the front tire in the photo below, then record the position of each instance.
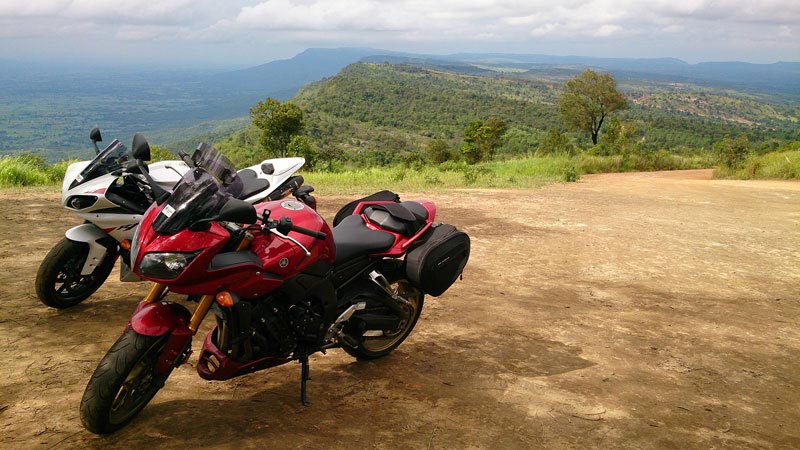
(59, 283)
(373, 347)
(123, 383)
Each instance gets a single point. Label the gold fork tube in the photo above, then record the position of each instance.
(155, 292)
(207, 300)
(200, 312)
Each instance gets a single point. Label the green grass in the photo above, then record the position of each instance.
(773, 165)
(513, 173)
(30, 170)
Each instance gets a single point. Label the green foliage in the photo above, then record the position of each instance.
(437, 151)
(481, 139)
(731, 153)
(302, 146)
(784, 163)
(158, 153)
(381, 114)
(518, 142)
(278, 122)
(618, 140)
(28, 169)
(553, 143)
(587, 100)
(570, 175)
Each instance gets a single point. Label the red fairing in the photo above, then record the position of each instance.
(157, 319)
(271, 249)
(222, 367)
(280, 259)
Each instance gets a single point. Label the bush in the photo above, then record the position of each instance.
(27, 169)
(570, 175)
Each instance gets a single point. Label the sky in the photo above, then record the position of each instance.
(241, 33)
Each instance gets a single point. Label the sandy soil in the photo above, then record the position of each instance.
(653, 310)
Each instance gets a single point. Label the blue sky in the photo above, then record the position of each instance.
(242, 33)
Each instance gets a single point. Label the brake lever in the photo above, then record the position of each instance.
(289, 238)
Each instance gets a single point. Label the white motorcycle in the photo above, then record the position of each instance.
(111, 192)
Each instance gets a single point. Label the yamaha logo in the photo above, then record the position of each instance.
(283, 262)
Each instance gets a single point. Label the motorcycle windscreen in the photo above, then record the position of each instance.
(110, 159)
(198, 196)
(219, 166)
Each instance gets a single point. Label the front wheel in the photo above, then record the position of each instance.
(123, 383)
(59, 283)
(376, 344)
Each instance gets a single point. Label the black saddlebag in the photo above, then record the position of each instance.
(437, 262)
(381, 196)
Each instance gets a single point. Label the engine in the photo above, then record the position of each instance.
(271, 327)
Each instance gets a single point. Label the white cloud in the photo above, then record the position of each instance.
(394, 22)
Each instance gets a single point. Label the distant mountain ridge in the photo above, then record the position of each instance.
(51, 110)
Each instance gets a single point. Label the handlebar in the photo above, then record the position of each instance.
(186, 158)
(285, 225)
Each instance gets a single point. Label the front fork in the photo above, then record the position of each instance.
(180, 332)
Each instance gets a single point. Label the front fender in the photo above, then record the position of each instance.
(91, 234)
(159, 319)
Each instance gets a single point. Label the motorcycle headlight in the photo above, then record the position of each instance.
(165, 266)
(135, 246)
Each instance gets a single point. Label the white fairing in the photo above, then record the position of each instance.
(90, 234)
(167, 173)
(108, 219)
(284, 169)
(73, 170)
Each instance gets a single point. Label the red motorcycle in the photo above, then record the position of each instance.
(281, 284)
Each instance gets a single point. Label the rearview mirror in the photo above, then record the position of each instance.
(140, 149)
(95, 136)
(239, 211)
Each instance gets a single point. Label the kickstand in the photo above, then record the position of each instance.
(303, 378)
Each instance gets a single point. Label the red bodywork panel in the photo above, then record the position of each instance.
(280, 258)
(221, 367)
(401, 242)
(158, 319)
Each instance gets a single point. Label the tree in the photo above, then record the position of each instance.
(160, 154)
(278, 122)
(301, 146)
(731, 153)
(587, 100)
(436, 151)
(481, 139)
(553, 143)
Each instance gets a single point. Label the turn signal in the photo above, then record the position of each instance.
(125, 244)
(225, 299)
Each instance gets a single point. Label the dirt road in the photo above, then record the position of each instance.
(654, 310)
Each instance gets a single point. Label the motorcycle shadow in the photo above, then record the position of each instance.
(424, 380)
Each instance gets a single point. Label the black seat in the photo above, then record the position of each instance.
(353, 238)
(251, 184)
(406, 218)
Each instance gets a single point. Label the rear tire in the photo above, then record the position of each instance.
(379, 346)
(59, 283)
(123, 383)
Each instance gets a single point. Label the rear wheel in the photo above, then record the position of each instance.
(59, 282)
(376, 344)
(123, 383)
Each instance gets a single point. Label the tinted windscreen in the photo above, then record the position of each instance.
(197, 196)
(201, 192)
(219, 166)
(114, 157)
